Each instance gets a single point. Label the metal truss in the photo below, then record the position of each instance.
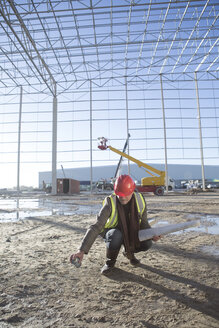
(55, 46)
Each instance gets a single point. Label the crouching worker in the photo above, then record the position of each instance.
(122, 215)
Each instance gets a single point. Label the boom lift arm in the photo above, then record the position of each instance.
(154, 183)
(103, 146)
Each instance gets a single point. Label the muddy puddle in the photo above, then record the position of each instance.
(18, 209)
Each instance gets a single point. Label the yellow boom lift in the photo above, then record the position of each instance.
(154, 183)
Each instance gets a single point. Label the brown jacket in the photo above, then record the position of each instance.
(95, 229)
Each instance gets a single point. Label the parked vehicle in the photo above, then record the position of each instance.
(171, 184)
(104, 185)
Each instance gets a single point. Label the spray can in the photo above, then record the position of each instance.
(76, 262)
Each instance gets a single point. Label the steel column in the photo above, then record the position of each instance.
(200, 132)
(54, 145)
(127, 119)
(164, 133)
(19, 142)
(91, 167)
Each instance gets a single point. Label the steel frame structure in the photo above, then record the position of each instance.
(56, 47)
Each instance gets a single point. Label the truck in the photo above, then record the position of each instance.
(171, 184)
(154, 183)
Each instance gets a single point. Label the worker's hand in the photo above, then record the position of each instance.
(156, 238)
(79, 254)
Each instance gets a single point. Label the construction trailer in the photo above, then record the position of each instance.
(155, 183)
(68, 186)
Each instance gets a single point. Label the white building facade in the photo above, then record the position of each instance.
(175, 171)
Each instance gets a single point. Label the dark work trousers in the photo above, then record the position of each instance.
(114, 240)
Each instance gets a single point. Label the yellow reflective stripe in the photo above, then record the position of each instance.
(143, 203)
(113, 219)
(140, 202)
(113, 202)
(136, 199)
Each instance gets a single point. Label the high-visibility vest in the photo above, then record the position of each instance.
(113, 219)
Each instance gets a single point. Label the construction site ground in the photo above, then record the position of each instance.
(176, 285)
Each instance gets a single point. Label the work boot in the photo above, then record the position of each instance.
(132, 259)
(111, 256)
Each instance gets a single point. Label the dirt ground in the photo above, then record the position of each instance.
(176, 285)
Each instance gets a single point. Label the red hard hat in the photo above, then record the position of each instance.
(124, 186)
